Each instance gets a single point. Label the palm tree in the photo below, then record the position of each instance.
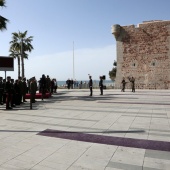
(3, 20)
(20, 44)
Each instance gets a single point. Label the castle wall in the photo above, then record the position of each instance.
(144, 53)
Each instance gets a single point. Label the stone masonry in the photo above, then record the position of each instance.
(143, 52)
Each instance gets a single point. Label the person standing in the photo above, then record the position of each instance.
(52, 86)
(68, 83)
(132, 80)
(48, 81)
(20, 89)
(8, 90)
(4, 92)
(33, 89)
(123, 85)
(24, 91)
(17, 92)
(12, 93)
(91, 85)
(43, 87)
(1, 90)
(55, 85)
(101, 85)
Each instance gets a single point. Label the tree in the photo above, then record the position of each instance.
(20, 44)
(112, 73)
(3, 21)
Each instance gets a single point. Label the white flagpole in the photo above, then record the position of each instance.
(73, 62)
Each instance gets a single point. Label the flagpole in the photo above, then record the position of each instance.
(73, 62)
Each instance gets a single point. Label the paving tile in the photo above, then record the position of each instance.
(89, 162)
(117, 165)
(20, 164)
(11, 167)
(54, 165)
(127, 155)
(157, 154)
(156, 163)
(21, 148)
(39, 167)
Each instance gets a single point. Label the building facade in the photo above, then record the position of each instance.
(143, 52)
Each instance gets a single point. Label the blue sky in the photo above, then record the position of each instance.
(55, 24)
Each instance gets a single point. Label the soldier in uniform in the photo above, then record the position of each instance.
(123, 85)
(33, 89)
(48, 81)
(12, 93)
(68, 83)
(24, 91)
(91, 85)
(101, 85)
(8, 90)
(1, 91)
(43, 86)
(17, 91)
(20, 89)
(4, 92)
(132, 80)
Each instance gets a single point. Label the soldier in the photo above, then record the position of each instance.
(8, 90)
(24, 91)
(68, 83)
(4, 92)
(91, 85)
(20, 89)
(43, 86)
(33, 89)
(101, 85)
(1, 91)
(52, 86)
(17, 91)
(48, 81)
(12, 93)
(132, 80)
(123, 85)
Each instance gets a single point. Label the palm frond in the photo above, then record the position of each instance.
(3, 23)
(2, 3)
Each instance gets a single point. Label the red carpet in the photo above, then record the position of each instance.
(38, 96)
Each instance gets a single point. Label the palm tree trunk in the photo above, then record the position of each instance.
(19, 72)
(22, 62)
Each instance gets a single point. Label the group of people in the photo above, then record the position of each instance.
(13, 92)
(132, 80)
(47, 84)
(72, 84)
(91, 85)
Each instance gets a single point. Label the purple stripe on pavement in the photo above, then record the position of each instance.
(135, 103)
(108, 140)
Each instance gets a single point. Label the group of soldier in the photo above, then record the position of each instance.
(13, 93)
(100, 85)
(132, 80)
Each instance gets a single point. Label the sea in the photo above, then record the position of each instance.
(95, 82)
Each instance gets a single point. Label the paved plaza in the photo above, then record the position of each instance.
(73, 131)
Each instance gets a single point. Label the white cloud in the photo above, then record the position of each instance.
(98, 61)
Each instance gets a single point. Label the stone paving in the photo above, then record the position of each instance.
(73, 131)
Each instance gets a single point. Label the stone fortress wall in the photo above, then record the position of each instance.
(144, 53)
